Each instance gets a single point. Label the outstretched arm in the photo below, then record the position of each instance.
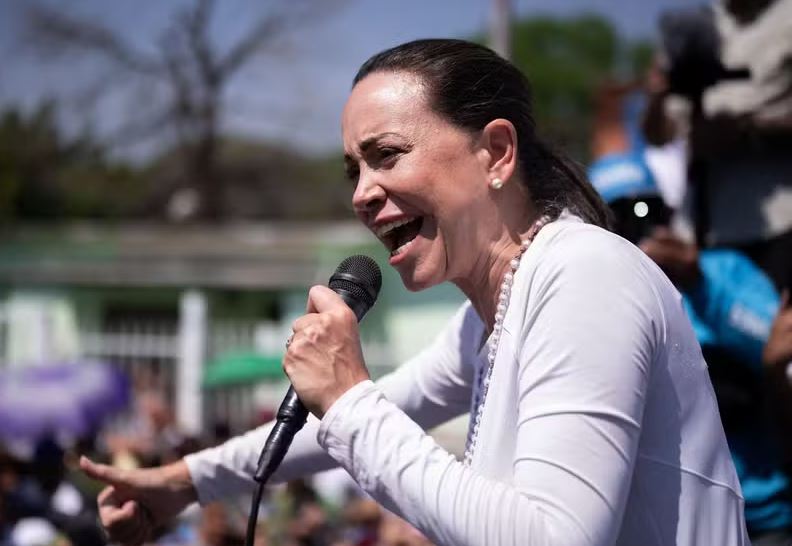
(432, 387)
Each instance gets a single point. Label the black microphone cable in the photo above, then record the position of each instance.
(358, 281)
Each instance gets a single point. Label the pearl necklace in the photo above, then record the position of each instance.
(503, 304)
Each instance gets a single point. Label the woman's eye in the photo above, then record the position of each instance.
(388, 155)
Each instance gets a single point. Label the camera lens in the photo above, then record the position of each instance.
(636, 217)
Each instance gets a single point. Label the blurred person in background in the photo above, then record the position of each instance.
(152, 436)
(394, 531)
(732, 305)
(723, 83)
(778, 361)
(8, 478)
(41, 501)
(214, 528)
(307, 520)
(361, 519)
(37, 532)
(5, 528)
(778, 351)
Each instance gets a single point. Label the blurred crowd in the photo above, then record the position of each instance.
(695, 164)
(695, 161)
(46, 501)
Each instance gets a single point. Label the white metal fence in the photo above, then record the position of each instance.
(146, 352)
(149, 353)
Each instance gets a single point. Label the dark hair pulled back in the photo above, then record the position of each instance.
(470, 85)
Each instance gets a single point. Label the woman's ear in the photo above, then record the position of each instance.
(499, 141)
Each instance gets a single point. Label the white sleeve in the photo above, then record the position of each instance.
(432, 387)
(584, 367)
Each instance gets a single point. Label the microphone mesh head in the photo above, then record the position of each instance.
(359, 275)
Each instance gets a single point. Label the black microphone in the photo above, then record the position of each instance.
(357, 280)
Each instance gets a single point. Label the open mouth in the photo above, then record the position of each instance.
(398, 235)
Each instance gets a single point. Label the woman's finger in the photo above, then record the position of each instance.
(107, 497)
(321, 299)
(117, 516)
(302, 323)
(128, 524)
(104, 473)
(124, 520)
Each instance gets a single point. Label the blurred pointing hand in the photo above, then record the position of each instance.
(136, 502)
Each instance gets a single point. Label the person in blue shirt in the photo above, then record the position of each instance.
(732, 305)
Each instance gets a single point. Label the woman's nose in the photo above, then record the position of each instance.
(368, 197)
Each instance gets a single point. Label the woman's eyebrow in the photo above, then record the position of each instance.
(368, 142)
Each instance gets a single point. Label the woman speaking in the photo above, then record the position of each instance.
(593, 420)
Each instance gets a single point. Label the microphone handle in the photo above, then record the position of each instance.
(292, 414)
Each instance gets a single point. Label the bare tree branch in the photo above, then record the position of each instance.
(87, 96)
(139, 130)
(50, 27)
(188, 65)
(198, 34)
(265, 30)
(253, 42)
(280, 20)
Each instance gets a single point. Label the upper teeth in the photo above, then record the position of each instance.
(384, 229)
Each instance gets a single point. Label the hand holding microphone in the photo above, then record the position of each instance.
(324, 358)
(323, 354)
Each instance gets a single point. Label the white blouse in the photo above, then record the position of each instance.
(600, 426)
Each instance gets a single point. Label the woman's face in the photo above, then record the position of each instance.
(421, 184)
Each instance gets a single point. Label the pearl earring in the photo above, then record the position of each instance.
(496, 184)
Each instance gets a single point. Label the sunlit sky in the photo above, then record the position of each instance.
(296, 94)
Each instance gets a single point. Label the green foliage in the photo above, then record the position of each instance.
(45, 176)
(262, 181)
(640, 54)
(566, 60)
(266, 180)
(28, 146)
